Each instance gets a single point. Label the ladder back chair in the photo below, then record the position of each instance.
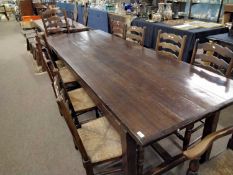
(40, 8)
(136, 34)
(4, 11)
(170, 45)
(118, 28)
(78, 99)
(68, 77)
(55, 21)
(193, 154)
(213, 57)
(97, 141)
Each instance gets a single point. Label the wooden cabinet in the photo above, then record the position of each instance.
(25, 7)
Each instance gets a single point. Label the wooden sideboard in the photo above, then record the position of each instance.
(25, 7)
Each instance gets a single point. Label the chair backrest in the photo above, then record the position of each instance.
(200, 148)
(136, 34)
(40, 8)
(55, 21)
(68, 118)
(45, 56)
(170, 44)
(213, 57)
(118, 28)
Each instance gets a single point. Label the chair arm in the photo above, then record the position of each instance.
(201, 147)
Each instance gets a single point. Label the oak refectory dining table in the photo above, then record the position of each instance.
(146, 96)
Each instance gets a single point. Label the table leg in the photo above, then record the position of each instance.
(210, 126)
(129, 147)
(230, 143)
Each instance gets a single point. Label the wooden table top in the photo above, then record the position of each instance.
(78, 27)
(150, 95)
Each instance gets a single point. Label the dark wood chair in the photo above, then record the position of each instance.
(118, 28)
(4, 11)
(170, 44)
(55, 21)
(78, 100)
(217, 59)
(136, 34)
(68, 77)
(40, 8)
(213, 57)
(98, 142)
(194, 154)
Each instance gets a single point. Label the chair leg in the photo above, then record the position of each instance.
(88, 167)
(230, 143)
(97, 113)
(193, 167)
(75, 144)
(187, 136)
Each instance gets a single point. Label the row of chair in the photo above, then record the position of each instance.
(95, 138)
(211, 56)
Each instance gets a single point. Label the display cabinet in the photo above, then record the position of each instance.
(206, 10)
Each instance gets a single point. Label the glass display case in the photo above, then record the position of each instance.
(206, 10)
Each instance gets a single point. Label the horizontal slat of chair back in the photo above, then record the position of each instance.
(72, 127)
(213, 59)
(135, 29)
(209, 68)
(171, 37)
(170, 46)
(169, 54)
(213, 47)
(134, 37)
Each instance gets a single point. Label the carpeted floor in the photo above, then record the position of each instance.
(34, 139)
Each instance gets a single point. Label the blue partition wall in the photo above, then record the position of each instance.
(80, 14)
(68, 7)
(98, 19)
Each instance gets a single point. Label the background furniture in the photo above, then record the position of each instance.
(153, 28)
(228, 13)
(223, 39)
(25, 7)
(3, 11)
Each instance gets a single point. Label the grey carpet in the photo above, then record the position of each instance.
(34, 139)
